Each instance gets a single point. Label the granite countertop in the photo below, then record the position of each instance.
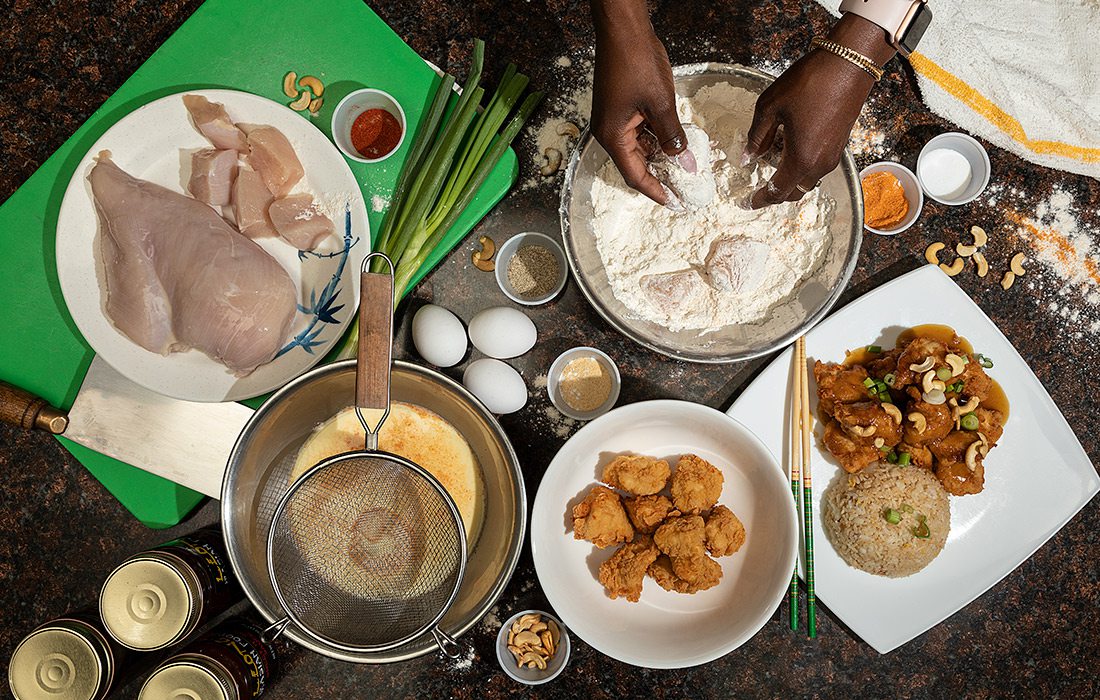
(1032, 635)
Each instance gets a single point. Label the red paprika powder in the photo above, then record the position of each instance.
(375, 132)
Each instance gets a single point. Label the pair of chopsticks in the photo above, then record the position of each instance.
(801, 427)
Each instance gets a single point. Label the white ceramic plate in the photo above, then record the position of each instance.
(665, 629)
(151, 143)
(1036, 478)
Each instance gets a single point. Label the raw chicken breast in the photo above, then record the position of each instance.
(212, 175)
(213, 121)
(675, 293)
(737, 264)
(179, 277)
(299, 222)
(250, 202)
(273, 158)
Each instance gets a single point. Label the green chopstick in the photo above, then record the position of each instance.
(807, 490)
(796, 446)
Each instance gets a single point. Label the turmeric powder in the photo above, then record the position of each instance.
(884, 202)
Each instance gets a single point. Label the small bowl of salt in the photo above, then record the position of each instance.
(531, 268)
(583, 383)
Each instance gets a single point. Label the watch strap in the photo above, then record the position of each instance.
(888, 14)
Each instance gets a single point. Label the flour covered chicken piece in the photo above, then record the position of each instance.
(179, 277)
(211, 119)
(736, 265)
(601, 520)
(272, 156)
(299, 221)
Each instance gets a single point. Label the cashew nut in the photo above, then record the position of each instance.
(920, 423)
(289, 81)
(552, 162)
(928, 381)
(972, 455)
(936, 397)
(532, 660)
(983, 265)
(931, 253)
(954, 268)
(1007, 280)
(968, 407)
(980, 238)
(861, 431)
(957, 364)
(894, 412)
(547, 641)
(527, 638)
(302, 102)
(1017, 264)
(965, 250)
(538, 627)
(488, 248)
(569, 129)
(483, 259)
(929, 363)
(315, 86)
(879, 442)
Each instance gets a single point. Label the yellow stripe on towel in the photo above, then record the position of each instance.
(997, 116)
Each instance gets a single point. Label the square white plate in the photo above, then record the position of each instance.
(1036, 479)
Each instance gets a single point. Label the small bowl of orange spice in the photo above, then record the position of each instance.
(892, 198)
(368, 125)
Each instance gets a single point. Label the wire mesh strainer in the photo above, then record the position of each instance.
(367, 549)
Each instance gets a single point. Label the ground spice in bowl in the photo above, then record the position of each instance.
(375, 132)
(884, 204)
(585, 384)
(533, 272)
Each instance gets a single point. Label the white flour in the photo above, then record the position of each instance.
(720, 264)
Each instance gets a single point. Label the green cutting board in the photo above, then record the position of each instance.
(240, 44)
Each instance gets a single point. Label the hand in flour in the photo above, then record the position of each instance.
(632, 89)
(816, 101)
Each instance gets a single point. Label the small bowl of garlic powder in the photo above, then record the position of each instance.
(583, 383)
(531, 268)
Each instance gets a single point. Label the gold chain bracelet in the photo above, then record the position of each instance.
(853, 57)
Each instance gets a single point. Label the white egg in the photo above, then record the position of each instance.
(438, 336)
(502, 332)
(497, 385)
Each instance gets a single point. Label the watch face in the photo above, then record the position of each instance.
(916, 28)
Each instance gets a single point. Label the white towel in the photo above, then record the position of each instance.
(1022, 74)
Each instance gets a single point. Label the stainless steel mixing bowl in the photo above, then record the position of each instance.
(260, 464)
(785, 322)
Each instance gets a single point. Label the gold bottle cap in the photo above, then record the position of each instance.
(150, 602)
(56, 663)
(187, 680)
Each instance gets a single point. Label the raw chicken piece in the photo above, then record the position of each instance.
(179, 277)
(273, 158)
(212, 175)
(212, 120)
(737, 264)
(675, 293)
(251, 199)
(299, 222)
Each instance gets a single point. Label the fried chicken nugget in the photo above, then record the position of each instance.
(648, 512)
(681, 536)
(623, 573)
(661, 572)
(696, 484)
(638, 474)
(725, 533)
(698, 570)
(600, 519)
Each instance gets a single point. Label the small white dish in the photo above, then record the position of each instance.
(992, 532)
(351, 107)
(553, 382)
(913, 193)
(504, 257)
(975, 154)
(533, 676)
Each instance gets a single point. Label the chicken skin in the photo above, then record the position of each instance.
(636, 474)
(601, 520)
(623, 573)
(696, 485)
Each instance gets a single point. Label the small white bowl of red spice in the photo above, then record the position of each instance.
(892, 198)
(368, 125)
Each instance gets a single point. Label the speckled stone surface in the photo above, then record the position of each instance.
(1032, 635)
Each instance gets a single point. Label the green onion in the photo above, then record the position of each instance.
(892, 457)
(983, 360)
(921, 530)
(904, 458)
(874, 348)
(943, 374)
(892, 516)
(885, 397)
(969, 422)
(957, 387)
(906, 508)
(889, 379)
(868, 382)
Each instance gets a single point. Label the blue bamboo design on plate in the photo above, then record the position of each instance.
(322, 308)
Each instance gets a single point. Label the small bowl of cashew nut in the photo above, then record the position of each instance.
(533, 647)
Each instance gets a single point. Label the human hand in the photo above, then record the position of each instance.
(633, 90)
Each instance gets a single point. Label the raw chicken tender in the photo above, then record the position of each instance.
(694, 189)
(299, 222)
(648, 512)
(600, 519)
(622, 575)
(638, 474)
(725, 533)
(251, 199)
(178, 276)
(212, 175)
(213, 121)
(672, 293)
(737, 265)
(696, 484)
(273, 157)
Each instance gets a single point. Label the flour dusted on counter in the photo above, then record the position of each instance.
(720, 264)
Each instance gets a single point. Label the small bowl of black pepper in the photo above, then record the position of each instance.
(531, 268)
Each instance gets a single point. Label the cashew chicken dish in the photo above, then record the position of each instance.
(927, 403)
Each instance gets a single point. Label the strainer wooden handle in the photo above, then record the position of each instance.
(372, 374)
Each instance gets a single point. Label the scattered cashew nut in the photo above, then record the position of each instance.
(954, 268)
(552, 162)
(968, 407)
(1007, 280)
(920, 423)
(289, 84)
(956, 363)
(972, 455)
(315, 105)
(965, 250)
(931, 253)
(929, 363)
(302, 102)
(569, 129)
(483, 259)
(893, 411)
(980, 237)
(861, 431)
(983, 265)
(1017, 264)
(313, 84)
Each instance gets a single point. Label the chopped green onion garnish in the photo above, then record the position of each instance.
(943, 374)
(983, 360)
(957, 387)
(874, 348)
(889, 379)
(969, 422)
(892, 457)
(921, 530)
(906, 508)
(892, 516)
(884, 397)
(904, 458)
(868, 382)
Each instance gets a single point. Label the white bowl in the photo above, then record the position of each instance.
(504, 256)
(533, 676)
(665, 629)
(913, 194)
(974, 153)
(351, 107)
(553, 382)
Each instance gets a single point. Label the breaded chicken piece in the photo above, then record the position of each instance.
(623, 573)
(648, 512)
(698, 570)
(681, 536)
(725, 533)
(696, 485)
(600, 519)
(637, 474)
(661, 572)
